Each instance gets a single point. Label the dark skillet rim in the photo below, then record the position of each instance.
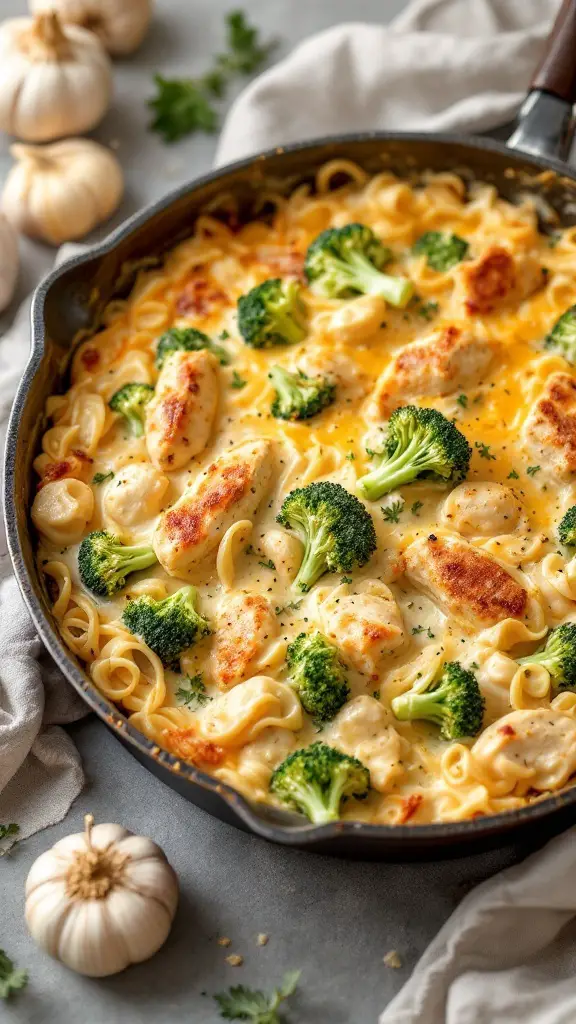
(389, 836)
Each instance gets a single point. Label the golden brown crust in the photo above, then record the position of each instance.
(552, 422)
(490, 281)
(185, 744)
(470, 582)
(224, 485)
(242, 627)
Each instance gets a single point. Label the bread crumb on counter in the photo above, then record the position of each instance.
(391, 959)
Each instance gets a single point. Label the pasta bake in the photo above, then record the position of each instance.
(307, 511)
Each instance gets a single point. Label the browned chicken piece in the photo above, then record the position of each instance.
(497, 280)
(549, 433)
(180, 416)
(244, 624)
(231, 489)
(467, 583)
(448, 359)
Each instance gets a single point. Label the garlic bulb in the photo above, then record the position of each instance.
(61, 191)
(101, 899)
(119, 24)
(9, 261)
(54, 79)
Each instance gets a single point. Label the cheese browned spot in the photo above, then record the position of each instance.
(245, 623)
(550, 428)
(469, 584)
(498, 279)
(180, 417)
(184, 743)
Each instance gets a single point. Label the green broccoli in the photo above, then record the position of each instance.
(299, 397)
(316, 779)
(347, 261)
(169, 626)
(442, 251)
(187, 339)
(131, 401)
(567, 528)
(318, 675)
(335, 528)
(104, 562)
(558, 656)
(562, 337)
(272, 314)
(451, 698)
(421, 443)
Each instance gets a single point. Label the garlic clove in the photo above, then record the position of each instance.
(61, 191)
(149, 876)
(48, 908)
(143, 923)
(89, 946)
(119, 24)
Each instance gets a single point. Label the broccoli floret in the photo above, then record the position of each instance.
(421, 443)
(131, 401)
(187, 339)
(169, 626)
(348, 261)
(562, 337)
(558, 656)
(567, 528)
(299, 397)
(316, 779)
(272, 314)
(451, 699)
(442, 251)
(104, 562)
(335, 528)
(318, 675)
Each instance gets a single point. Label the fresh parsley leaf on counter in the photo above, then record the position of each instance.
(11, 980)
(194, 693)
(9, 831)
(185, 105)
(241, 1003)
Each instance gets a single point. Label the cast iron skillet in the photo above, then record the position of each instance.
(70, 298)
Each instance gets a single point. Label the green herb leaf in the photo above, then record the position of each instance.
(392, 513)
(430, 634)
(484, 451)
(241, 1003)
(293, 606)
(463, 401)
(11, 980)
(532, 470)
(415, 508)
(100, 478)
(267, 565)
(351, 457)
(427, 310)
(194, 694)
(237, 381)
(417, 629)
(345, 579)
(513, 475)
(245, 51)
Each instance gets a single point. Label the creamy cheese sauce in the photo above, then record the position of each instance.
(242, 733)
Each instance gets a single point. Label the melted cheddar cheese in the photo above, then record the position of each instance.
(406, 609)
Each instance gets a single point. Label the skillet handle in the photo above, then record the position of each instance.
(546, 122)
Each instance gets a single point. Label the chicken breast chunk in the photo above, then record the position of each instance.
(363, 729)
(468, 584)
(550, 429)
(231, 489)
(365, 626)
(528, 749)
(482, 509)
(497, 280)
(135, 493)
(180, 416)
(449, 358)
(244, 624)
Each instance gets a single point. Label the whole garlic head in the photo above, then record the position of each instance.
(55, 79)
(101, 900)
(9, 261)
(59, 192)
(119, 24)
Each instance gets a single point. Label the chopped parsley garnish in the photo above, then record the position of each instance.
(268, 564)
(392, 513)
(370, 452)
(185, 105)
(430, 634)
(241, 1003)
(463, 401)
(345, 579)
(11, 980)
(415, 508)
(428, 310)
(417, 629)
(532, 470)
(100, 478)
(224, 335)
(350, 456)
(194, 693)
(513, 475)
(292, 607)
(484, 451)
(237, 381)
(9, 831)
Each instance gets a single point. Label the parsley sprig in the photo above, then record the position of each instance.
(185, 105)
(194, 694)
(11, 979)
(241, 1003)
(392, 513)
(9, 831)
